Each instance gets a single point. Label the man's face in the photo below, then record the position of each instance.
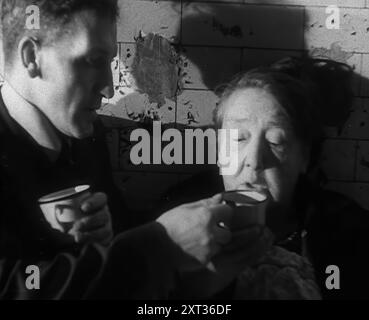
(270, 157)
(76, 74)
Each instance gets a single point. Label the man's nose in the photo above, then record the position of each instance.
(107, 90)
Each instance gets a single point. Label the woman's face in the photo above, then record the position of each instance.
(270, 157)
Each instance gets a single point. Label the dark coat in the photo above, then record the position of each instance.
(140, 262)
(337, 232)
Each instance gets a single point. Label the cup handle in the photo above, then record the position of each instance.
(58, 210)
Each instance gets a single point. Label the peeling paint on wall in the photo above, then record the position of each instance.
(156, 68)
(335, 52)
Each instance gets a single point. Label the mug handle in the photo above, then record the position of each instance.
(58, 212)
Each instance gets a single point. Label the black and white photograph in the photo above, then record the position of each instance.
(203, 152)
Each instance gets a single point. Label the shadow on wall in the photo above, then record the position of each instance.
(220, 40)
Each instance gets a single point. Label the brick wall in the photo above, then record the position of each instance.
(215, 39)
(219, 38)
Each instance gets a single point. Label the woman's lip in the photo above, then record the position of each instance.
(262, 191)
(254, 188)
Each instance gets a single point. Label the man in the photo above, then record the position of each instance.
(50, 139)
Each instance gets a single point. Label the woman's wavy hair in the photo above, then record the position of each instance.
(314, 93)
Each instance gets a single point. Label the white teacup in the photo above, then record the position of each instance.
(61, 209)
(248, 206)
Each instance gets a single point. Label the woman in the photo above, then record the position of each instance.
(279, 113)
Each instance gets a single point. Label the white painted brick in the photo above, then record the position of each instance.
(338, 159)
(362, 169)
(148, 16)
(352, 36)
(195, 108)
(206, 68)
(242, 25)
(132, 105)
(253, 58)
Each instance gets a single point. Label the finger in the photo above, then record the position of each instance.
(94, 221)
(222, 234)
(95, 202)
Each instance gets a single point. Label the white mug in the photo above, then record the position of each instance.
(61, 209)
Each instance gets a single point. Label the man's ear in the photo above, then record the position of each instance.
(29, 52)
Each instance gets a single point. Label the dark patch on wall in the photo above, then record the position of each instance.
(234, 31)
(156, 68)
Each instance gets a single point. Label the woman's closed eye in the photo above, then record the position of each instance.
(277, 139)
(278, 145)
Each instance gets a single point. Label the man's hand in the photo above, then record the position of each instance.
(196, 227)
(96, 226)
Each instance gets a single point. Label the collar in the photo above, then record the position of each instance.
(22, 117)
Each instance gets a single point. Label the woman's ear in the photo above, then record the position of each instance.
(29, 51)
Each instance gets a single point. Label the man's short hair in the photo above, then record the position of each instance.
(55, 15)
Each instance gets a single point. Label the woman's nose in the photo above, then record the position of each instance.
(254, 155)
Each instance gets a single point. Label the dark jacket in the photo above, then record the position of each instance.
(139, 264)
(337, 232)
